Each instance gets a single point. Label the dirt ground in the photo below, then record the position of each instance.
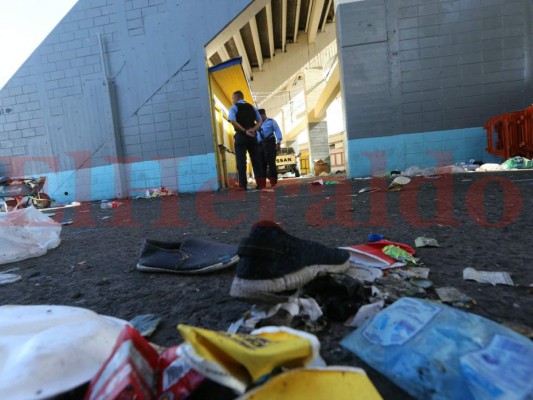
(481, 220)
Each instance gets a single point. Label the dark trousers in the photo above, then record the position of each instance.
(243, 144)
(267, 158)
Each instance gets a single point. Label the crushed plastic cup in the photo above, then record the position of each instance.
(398, 182)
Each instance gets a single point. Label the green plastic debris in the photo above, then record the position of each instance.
(517, 163)
(398, 254)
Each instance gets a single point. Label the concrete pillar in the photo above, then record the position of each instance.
(318, 142)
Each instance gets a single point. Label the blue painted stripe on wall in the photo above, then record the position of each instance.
(185, 174)
(371, 156)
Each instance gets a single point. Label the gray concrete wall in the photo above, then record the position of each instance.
(318, 142)
(429, 65)
(145, 96)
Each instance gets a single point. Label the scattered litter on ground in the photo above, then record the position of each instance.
(410, 341)
(364, 313)
(104, 204)
(399, 254)
(331, 183)
(372, 255)
(416, 171)
(27, 233)
(393, 287)
(60, 207)
(517, 163)
(338, 295)
(70, 222)
(422, 241)
(490, 167)
(492, 277)
(364, 274)
(156, 192)
(369, 189)
(413, 272)
(423, 334)
(423, 283)
(146, 324)
(318, 182)
(280, 314)
(453, 296)
(397, 183)
(469, 166)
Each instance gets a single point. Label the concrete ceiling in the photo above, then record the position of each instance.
(266, 27)
(282, 42)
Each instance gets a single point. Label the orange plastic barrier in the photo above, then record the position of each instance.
(511, 134)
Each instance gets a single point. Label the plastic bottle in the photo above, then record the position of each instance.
(433, 351)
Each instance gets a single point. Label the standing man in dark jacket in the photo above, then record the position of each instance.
(269, 140)
(246, 120)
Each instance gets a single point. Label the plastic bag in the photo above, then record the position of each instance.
(412, 171)
(433, 351)
(26, 233)
(49, 350)
(517, 163)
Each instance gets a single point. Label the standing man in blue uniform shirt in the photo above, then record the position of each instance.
(246, 120)
(269, 140)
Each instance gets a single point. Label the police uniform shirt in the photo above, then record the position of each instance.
(268, 130)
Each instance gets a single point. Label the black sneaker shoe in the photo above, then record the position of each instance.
(273, 261)
(191, 256)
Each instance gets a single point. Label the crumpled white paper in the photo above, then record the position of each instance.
(494, 278)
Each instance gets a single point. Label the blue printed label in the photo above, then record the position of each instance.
(502, 370)
(400, 322)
